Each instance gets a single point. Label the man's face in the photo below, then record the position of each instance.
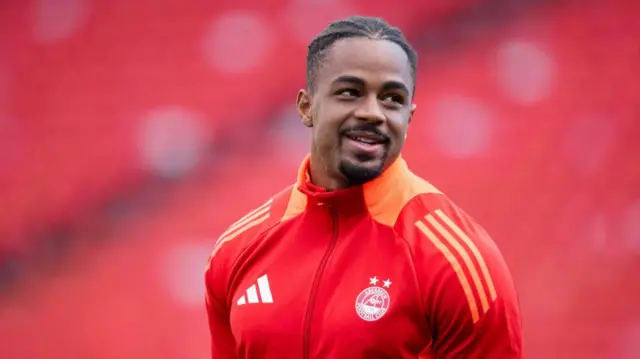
(360, 108)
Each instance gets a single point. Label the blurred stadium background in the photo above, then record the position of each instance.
(132, 132)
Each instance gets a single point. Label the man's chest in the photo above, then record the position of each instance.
(318, 295)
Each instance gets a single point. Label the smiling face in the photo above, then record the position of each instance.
(359, 111)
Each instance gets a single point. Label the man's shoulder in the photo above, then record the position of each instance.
(431, 217)
(253, 223)
(447, 242)
(446, 239)
(462, 270)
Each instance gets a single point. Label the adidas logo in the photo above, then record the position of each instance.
(251, 296)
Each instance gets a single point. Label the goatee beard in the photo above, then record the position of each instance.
(358, 174)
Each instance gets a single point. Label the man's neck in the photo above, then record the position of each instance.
(321, 175)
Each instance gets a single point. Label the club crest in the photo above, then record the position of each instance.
(373, 302)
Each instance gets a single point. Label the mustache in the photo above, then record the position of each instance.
(366, 127)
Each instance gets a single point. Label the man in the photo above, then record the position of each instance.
(360, 258)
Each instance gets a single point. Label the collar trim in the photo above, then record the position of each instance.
(384, 197)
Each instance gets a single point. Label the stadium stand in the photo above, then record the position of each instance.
(92, 116)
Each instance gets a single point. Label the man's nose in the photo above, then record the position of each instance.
(370, 110)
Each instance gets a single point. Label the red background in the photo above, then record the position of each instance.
(133, 132)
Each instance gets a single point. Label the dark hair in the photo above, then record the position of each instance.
(354, 26)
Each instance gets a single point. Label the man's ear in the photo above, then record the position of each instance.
(303, 104)
(413, 110)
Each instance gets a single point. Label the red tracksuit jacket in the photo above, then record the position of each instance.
(390, 269)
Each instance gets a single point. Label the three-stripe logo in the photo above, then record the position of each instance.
(251, 294)
(448, 238)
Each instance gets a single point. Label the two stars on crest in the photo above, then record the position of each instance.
(375, 280)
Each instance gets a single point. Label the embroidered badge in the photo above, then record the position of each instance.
(373, 302)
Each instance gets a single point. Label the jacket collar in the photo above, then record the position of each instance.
(382, 198)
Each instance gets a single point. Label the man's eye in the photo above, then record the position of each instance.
(393, 98)
(347, 93)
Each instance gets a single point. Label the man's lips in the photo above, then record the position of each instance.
(367, 137)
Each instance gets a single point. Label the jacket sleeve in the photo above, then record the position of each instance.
(222, 342)
(219, 268)
(471, 301)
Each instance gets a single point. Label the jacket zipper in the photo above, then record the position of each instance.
(314, 288)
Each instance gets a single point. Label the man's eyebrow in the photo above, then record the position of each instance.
(389, 85)
(349, 80)
(396, 85)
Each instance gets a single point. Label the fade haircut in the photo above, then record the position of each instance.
(354, 26)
